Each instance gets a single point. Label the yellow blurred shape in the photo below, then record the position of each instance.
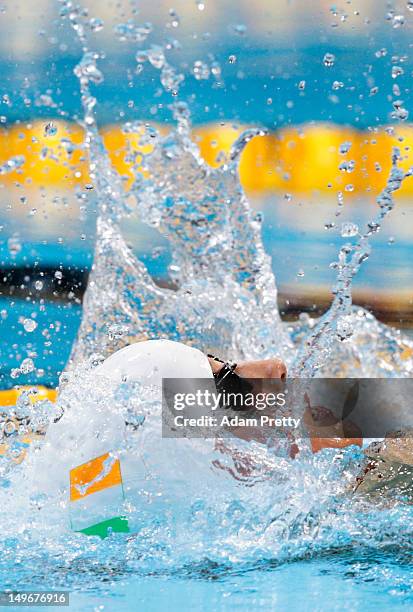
(304, 159)
(215, 141)
(309, 158)
(51, 153)
(376, 154)
(125, 149)
(9, 397)
(407, 353)
(259, 164)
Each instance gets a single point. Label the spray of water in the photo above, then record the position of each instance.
(242, 503)
(337, 325)
(226, 296)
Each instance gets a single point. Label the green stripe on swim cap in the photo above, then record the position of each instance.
(118, 524)
(97, 498)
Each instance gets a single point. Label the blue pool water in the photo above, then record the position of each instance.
(285, 225)
(346, 575)
(205, 536)
(360, 580)
(343, 582)
(48, 344)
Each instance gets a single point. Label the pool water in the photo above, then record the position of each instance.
(348, 579)
(48, 344)
(288, 534)
(343, 582)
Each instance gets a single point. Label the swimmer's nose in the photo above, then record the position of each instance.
(278, 369)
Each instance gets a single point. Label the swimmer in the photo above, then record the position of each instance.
(150, 361)
(86, 448)
(153, 360)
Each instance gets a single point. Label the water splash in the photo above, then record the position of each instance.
(337, 324)
(243, 505)
(225, 297)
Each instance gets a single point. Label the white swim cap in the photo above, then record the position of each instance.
(150, 361)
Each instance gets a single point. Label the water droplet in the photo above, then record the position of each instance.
(301, 85)
(129, 31)
(238, 28)
(50, 129)
(200, 5)
(337, 85)
(398, 21)
(38, 285)
(156, 56)
(14, 245)
(141, 56)
(329, 60)
(86, 70)
(68, 145)
(300, 273)
(9, 428)
(201, 70)
(410, 5)
(347, 166)
(374, 227)
(216, 69)
(29, 325)
(373, 91)
(58, 274)
(381, 52)
(345, 147)
(349, 230)
(117, 331)
(96, 24)
(232, 59)
(175, 19)
(27, 366)
(349, 187)
(44, 100)
(12, 164)
(396, 71)
(171, 79)
(399, 112)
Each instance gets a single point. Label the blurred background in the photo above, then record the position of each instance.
(330, 81)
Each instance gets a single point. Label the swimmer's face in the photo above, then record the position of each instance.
(263, 368)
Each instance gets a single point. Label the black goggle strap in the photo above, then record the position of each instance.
(226, 380)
